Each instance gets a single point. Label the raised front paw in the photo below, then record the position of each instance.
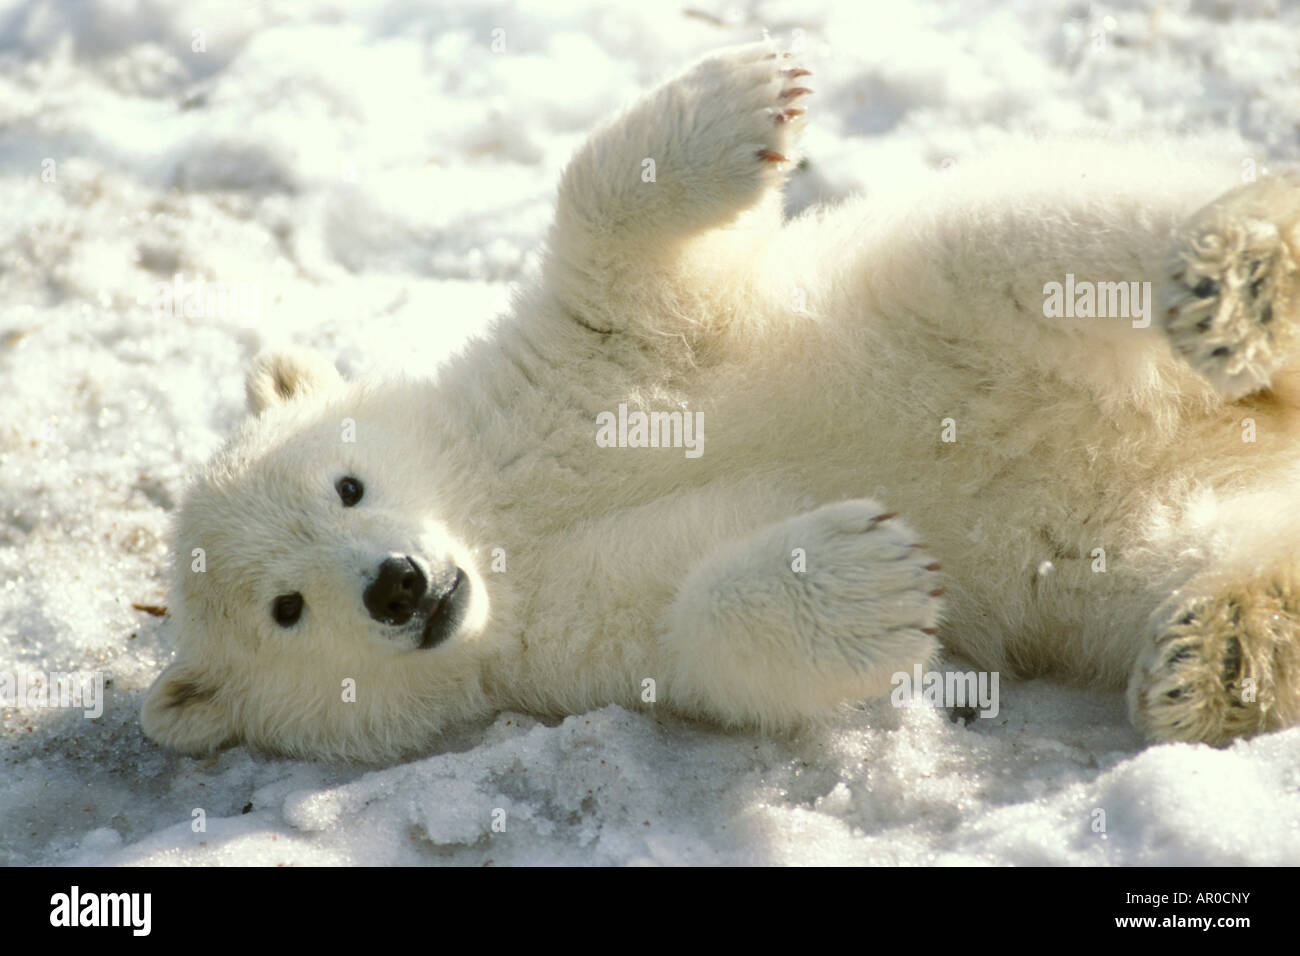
(1231, 304)
(1221, 667)
(738, 115)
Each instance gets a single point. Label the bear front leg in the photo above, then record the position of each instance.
(1232, 299)
(1225, 662)
(692, 156)
(813, 611)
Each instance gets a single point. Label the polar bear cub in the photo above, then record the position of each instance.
(748, 470)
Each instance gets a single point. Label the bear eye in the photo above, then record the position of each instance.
(287, 609)
(350, 491)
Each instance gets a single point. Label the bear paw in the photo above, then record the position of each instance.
(1230, 302)
(1220, 668)
(858, 590)
(816, 610)
(866, 575)
(740, 126)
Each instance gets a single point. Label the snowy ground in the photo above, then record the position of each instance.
(376, 175)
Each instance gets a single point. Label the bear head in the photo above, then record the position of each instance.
(323, 603)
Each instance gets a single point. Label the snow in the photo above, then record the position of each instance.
(375, 176)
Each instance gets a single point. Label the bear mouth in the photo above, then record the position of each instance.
(445, 617)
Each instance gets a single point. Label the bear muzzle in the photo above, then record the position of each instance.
(401, 591)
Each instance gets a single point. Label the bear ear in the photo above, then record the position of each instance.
(181, 711)
(281, 376)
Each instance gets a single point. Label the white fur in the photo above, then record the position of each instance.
(631, 564)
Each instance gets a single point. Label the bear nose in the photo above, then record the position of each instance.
(392, 598)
